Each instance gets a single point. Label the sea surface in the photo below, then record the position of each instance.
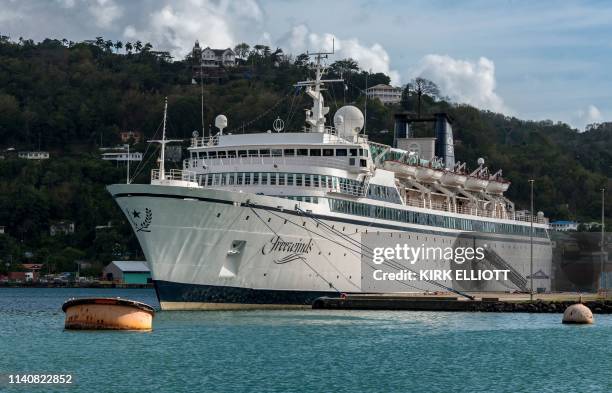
(302, 351)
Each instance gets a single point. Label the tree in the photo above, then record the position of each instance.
(128, 47)
(242, 50)
(118, 45)
(138, 46)
(346, 65)
(420, 86)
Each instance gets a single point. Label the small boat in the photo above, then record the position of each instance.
(107, 314)
(497, 187)
(428, 174)
(476, 184)
(452, 179)
(400, 169)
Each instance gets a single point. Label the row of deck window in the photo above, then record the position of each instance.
(280, 179)
(328, 152)
(406, 216)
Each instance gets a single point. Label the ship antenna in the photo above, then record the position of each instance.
(315, 117)
(163, 142)
(162, 164)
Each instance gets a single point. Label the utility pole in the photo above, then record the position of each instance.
(602, 275)
(531, 245)
(127, 180)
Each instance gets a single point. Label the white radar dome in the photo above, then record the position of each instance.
(348, 121)
(221, 122)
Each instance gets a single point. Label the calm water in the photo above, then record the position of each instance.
(304, 351)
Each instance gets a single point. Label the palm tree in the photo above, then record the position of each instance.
(258, 48)
(108, 45)
(128, 47)
(118, 45)
(138, 46)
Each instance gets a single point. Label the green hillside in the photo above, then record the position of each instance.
(71, 98)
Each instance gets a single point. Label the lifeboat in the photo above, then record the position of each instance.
(107, 314)
(452, 179)
(401, 169)
(473, 183)
(426, 174)
(497, 187)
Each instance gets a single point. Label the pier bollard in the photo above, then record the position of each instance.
(578, 314)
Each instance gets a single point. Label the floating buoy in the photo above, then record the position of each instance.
(578, 313)
(107, 314)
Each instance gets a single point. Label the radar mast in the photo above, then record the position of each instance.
(315, 116)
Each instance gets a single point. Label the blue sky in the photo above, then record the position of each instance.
(533, 59)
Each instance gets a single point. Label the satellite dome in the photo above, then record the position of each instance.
(221, 122)
(348, 121)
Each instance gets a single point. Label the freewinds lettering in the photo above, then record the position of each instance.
(278, 245)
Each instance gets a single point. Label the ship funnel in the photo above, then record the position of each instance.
(445, 147)
(401, 129)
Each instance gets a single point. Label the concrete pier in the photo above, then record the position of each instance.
(487, 303)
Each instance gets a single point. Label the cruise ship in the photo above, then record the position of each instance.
(277, 218)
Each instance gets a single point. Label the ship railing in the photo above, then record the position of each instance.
(473, 211)
(205, 141)
(174, 174)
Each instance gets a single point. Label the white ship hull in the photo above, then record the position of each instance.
(214, 249)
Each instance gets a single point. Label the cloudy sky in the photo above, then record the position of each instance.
(532, 59)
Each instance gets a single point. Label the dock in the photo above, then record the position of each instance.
(549, 303)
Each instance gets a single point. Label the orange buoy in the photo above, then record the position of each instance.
(107, 313)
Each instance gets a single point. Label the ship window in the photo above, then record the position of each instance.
(247, 178)
(277, 152)
(307, 181)
(353, 152)
(264, 153)
(231, 153)
(212, 154)
(299, 180)
(253, 153)
(341, 152)
(302, 152)
(315, 181)
(264, 178)
(363, 163)
(256, 178)
(328, 152)
(209, 180)
(242, 153)
(272, 179)
(351, 161)
(223, 179)
(221, 154)
(281, 179)
(239, 178)
(315, 152)
(289, 152)
(230, 178)
(289, 179)
(202, 154)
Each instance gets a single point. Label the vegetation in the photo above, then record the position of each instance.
(72, 98)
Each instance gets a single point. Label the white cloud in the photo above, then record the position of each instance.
(177, 25)
(375, 57)
(463, 81)
(591, 114)
(105, 12)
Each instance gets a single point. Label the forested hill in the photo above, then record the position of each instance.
(70, 98)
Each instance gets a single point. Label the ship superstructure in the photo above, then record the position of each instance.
(271, 218)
